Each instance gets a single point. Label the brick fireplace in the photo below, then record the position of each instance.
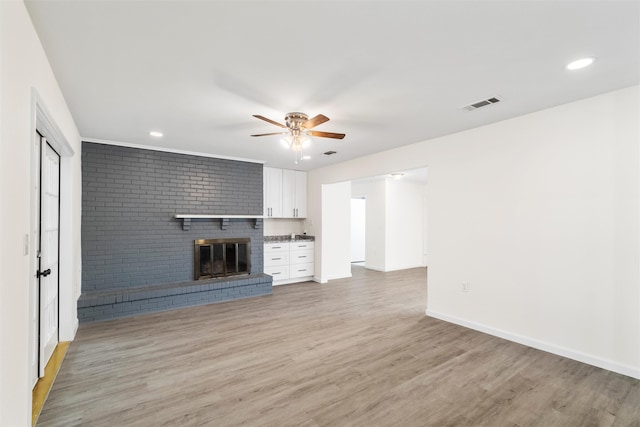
(136, 256)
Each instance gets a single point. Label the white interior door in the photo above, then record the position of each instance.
(48, 272)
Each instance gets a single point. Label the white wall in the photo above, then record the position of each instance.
(358, 223)
(25, 66)
(336, 214)
(540, 215)
(282, 226)
(404, 224)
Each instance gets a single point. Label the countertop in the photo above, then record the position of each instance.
(287, 238)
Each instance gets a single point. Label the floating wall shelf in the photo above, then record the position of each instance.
(224, 219)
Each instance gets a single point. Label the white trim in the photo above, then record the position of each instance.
(607, 364)
(336, 277)
(384, 270)
(43, 121)
(169, 150)
(318, 280)
(373, 267)
(219, 216)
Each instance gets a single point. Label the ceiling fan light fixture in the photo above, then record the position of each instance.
(286, 141)
(298, 129)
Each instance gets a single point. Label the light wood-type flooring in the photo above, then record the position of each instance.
(353, 352)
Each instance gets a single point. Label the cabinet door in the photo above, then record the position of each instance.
(272, 259)
(301, 194)
(288, 193)
(279, 272)
(301, 270)
(304, 245)
(301, 257)
(272, 192)
(294, 194)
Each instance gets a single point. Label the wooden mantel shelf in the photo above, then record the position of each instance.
(224, 219)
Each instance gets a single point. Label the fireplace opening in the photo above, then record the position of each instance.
(221, 257)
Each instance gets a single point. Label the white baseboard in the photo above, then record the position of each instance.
(387, 270)
(325, 279)
(630, 371)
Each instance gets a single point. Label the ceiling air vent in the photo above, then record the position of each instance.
(328, 153)
(483, 103)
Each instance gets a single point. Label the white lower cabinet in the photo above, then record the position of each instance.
(276, 260)
(289, 262)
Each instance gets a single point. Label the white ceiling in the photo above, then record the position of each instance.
(386, 73)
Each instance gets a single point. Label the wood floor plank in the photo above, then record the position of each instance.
(357, 352)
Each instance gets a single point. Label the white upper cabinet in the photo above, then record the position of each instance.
(272, 192)
(294, 194)
(285, 193)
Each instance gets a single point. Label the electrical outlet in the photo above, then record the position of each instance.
(465, 287)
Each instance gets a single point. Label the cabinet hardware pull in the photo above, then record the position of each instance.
(275, 259)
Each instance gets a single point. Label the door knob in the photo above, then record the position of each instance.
(43, 273)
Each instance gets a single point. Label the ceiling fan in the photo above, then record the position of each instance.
(298, 126)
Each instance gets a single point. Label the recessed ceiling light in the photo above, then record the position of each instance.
(155, 133)
(580, 63)
(306, 157)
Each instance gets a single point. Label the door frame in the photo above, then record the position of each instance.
(42, 122)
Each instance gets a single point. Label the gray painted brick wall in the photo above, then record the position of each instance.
(129, 198)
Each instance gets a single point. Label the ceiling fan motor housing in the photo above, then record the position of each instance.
(294, 121)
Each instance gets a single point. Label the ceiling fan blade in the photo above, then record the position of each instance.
(267, 134)
(315, 121)
(326, 134)
(268, 120)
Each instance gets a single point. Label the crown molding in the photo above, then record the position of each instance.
(169, 150)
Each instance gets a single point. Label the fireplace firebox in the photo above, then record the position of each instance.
(221, 257)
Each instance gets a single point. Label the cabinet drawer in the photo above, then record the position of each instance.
(276, 247)
(276, 258)
(301, 257)
(301, 246)
(279, 272)
(301, 270)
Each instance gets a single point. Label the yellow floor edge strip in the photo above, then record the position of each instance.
(44, 384)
